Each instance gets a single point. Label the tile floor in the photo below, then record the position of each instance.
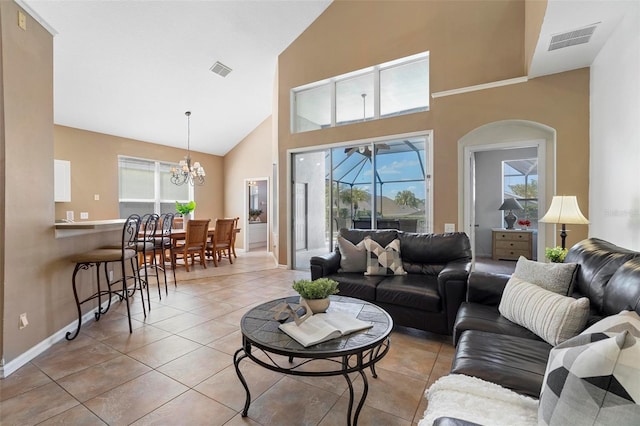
(177, 366)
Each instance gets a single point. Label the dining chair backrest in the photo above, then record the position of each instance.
(224, 232)
(197, 232)
(167, 224)
(130, 232)
(150, 223)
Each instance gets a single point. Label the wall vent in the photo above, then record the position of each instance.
(572, 38)
(220, 69)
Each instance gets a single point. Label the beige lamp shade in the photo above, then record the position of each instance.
(564, 209)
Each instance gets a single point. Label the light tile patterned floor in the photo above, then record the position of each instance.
(177, 366)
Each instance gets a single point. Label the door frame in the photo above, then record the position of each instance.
(245, 214)
(501, 135)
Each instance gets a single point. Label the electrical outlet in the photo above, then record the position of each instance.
(69, 215)
(84, 215)
(23, 321)
(22, 20)
(96, 197)
(449, 227)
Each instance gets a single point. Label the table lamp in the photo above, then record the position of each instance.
(564, 209)
(510, 204)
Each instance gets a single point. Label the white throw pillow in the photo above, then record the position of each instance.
(552, 317)
(556, 277)
(353, 258)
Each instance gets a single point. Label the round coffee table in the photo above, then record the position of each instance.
(354, 352)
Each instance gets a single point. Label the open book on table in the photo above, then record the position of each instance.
(319, 328)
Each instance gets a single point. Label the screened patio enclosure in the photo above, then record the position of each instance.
(376, 185)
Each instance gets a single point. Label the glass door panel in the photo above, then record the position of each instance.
(309, 213)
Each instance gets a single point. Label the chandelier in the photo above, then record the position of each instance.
(185, 172)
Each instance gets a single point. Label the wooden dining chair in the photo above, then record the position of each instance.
(222, 241)
(195, 243)
(235, 234)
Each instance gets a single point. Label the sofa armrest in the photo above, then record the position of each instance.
(486, 288)
(452, 285)
(324, 265)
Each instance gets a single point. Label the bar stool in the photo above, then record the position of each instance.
(104, 256)
(164, 243)
(145, 246)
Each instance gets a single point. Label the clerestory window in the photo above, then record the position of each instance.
(393, 88)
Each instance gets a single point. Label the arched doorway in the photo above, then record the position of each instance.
(498, 137)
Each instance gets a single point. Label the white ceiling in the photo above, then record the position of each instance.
(132, 68)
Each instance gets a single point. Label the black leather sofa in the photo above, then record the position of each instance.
(490, 347)
(428, 296)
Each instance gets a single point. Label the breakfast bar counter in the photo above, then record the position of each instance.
(70, 229)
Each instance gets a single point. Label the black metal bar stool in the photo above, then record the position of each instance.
(104, 256)
(163, 243)
(145, 246)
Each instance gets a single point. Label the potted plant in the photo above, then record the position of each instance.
(555, 254)
(185, 209)
(316, 293)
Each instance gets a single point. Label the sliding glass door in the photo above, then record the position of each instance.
(375, 185)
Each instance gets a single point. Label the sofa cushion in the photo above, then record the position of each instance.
(382, 237)
(353, 257)
(475, 316)
(428, 253)
(623, 291)
(551, 316)
(593, 378)
(512, 362)
(357, 285)
(556, 277)
(598, 260)
(383, 260)
(413, 291)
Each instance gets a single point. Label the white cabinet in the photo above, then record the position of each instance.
(62, 180)
(257, 234)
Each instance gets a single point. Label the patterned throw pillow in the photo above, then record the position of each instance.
(594, 378)
(353, 258)
(556, 277)
(552, 317)
(383, 260)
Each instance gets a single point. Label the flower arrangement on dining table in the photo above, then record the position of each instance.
(524, 223)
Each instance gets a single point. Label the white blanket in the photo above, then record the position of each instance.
(475, 400)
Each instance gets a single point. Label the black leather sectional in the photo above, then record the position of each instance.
(428, 296)
(494, 349)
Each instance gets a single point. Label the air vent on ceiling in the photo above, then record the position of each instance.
(220, 69)
(572, 38)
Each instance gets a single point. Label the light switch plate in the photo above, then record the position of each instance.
(449, 227)
(84, 215)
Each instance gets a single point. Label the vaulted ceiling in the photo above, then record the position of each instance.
(133, 68)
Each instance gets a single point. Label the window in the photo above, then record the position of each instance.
(520, 179)
(144, 187)
(393, 88)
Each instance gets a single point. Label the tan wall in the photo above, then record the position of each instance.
(534, 16)
(250, 159)
(27, 243)
(470, 43)
(94, 170)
